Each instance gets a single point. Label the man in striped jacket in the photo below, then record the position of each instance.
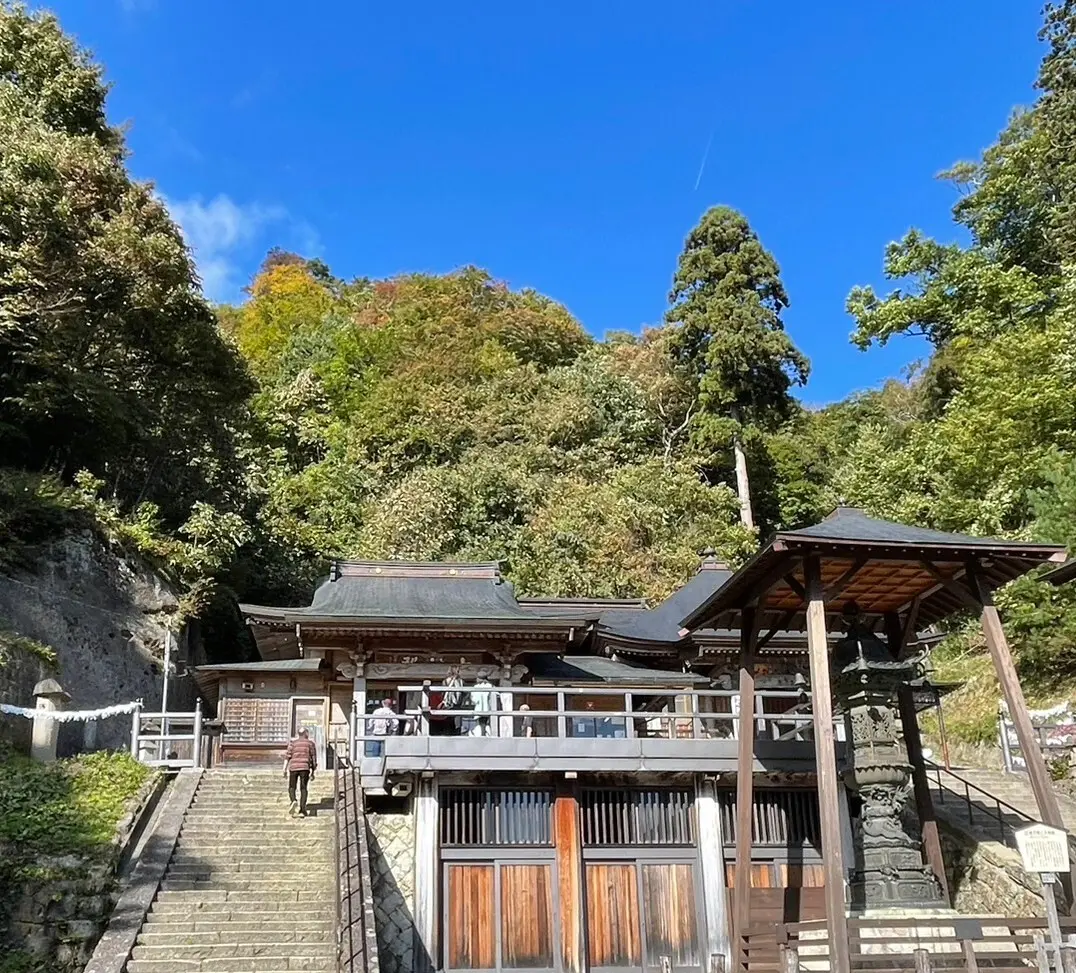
(300, 762)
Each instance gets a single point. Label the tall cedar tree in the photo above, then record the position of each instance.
(726, 303)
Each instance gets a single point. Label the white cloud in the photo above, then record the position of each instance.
(226, 237)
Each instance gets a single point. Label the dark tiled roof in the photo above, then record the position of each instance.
(889, 565)
(594, 668)
(853, 524)
(398, 592)
(663, 622)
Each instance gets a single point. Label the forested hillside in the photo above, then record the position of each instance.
(453, 417)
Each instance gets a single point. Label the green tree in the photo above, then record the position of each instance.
(110, 359)
(726, 303)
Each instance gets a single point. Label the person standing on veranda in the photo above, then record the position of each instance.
(300, 762)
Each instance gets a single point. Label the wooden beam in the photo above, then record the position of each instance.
(570, 879)
(909, 722)
(796, 587)
(910, 622)
(845, 579)
(826, 762)
(779, 626)
(998, 645)
(951, 584)
(745, 785)
(894, 633)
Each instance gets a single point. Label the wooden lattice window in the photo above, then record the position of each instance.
(782, 818)
(479, 816)
(250, 720)
(620, 816)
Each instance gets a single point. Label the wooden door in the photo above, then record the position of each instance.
(641, 913)
(499, 916)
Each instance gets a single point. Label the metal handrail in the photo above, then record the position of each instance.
(1004, 827)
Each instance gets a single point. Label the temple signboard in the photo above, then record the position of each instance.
(1043, 849)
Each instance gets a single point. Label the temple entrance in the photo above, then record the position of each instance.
(498, 880)
(641, 878)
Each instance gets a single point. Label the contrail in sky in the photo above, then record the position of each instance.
(705, 156)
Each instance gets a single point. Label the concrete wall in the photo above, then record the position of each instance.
(103, 614)
(391, 837)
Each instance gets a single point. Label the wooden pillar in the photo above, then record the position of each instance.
(745, 786)
(712, 848)
(1001, 655)
(570, 879)
(924, 804)
(426, 920)
(826, 761)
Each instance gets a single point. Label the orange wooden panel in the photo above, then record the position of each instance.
(526, 916)
(671, 915)
(613, 916)
(471, 934)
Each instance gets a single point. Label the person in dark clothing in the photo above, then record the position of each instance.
(300, 762)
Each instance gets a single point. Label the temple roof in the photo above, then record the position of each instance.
(662, 623)
(577, 669)
(881, 566)
(409, 595)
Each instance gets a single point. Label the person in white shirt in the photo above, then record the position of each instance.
(383, 724)
(482, 702)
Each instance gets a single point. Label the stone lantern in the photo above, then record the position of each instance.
(889, 870)
(51, 696)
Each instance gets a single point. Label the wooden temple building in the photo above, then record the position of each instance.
(601, 785)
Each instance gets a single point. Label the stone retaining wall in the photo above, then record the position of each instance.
(986, 878)
(392, 867)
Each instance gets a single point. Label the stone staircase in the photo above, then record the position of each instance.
(985, 787)
(249, 889)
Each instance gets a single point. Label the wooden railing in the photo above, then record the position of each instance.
(944, 942)
(568, 716)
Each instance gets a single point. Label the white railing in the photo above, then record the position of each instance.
(156, 742)
(694, 716)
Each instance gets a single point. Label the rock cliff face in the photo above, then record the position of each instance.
(104, 615)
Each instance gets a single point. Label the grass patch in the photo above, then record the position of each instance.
(971, 712)
(70, 807)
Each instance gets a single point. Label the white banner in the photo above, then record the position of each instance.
(70, 716)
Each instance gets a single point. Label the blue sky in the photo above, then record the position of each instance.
(558, 144)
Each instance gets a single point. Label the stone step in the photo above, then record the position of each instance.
(234, 937)
(294, 876)
(263, 964)
(313, 857)
(232, 950)
(226, 922)
(304, 886)
(245, 896)
(217, 910)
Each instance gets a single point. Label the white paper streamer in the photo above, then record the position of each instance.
(69, 716)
